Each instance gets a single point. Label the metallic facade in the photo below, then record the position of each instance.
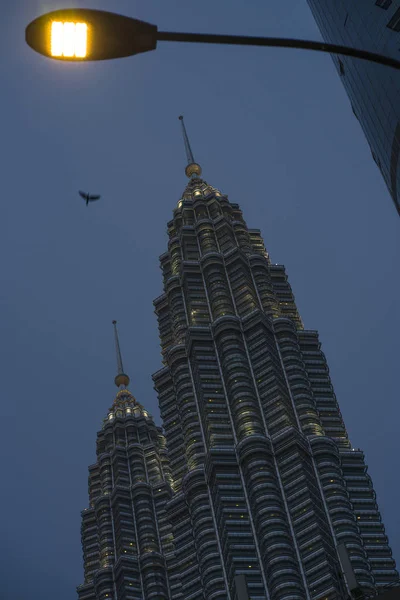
(266, 482)
(254, 473)
(373, 90)
(125, 533)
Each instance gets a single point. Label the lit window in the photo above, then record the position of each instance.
(110, 416)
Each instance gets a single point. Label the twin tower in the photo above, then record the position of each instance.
(252, 489)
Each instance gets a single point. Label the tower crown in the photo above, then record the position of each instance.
(193, 169)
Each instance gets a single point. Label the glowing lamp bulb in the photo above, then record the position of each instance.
(69, 39)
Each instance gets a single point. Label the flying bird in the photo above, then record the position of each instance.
(89, 197)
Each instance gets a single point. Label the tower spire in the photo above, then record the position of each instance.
(121, 379)
(192, 169)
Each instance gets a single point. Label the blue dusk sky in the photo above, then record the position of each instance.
(272, 128)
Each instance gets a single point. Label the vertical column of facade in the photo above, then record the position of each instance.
(169, 409)
(146, 477)
(241, 283)
(233, 512)
(268, 511)
(191, 572)
(284, 295)
(327, 460)
(296, 376)
(151, 560)
(320, 566)
(179, 413)
(192, 448)
(126, 571)
(235, 524)
(206, 536)
(104, 579)
(236, 245)
(211, 399)
(183, 569)
(363, 500)
(286, 577)
(164, 318)
(305, 504)
(223, 472)
(175, 301)
(322, 389)
(217, 286)
(269, 375)
(263, 283)
(91, 553)
(196, 302)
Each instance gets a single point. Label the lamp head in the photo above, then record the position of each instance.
(77, 34)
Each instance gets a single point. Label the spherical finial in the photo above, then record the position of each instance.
(114, 322)
(122, 379)
(193, 169)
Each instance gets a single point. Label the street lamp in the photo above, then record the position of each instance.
(82, 34)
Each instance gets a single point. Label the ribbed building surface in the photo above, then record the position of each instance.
(265, 479)
(373, 90)
(256, 475)
(126, 537)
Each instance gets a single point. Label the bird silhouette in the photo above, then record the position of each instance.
(89, 197)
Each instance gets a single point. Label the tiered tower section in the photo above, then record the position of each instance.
(265, 480)
(126, 538)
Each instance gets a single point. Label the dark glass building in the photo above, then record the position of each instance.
(253, 489)
(373, 90)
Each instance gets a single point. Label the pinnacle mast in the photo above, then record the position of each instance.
(121, 379)
(193, 169)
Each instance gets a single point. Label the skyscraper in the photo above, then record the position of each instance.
(266, 482)
(373, 90)
(125, 535)
(253, 489)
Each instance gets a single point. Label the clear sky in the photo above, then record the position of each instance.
(273, 129)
